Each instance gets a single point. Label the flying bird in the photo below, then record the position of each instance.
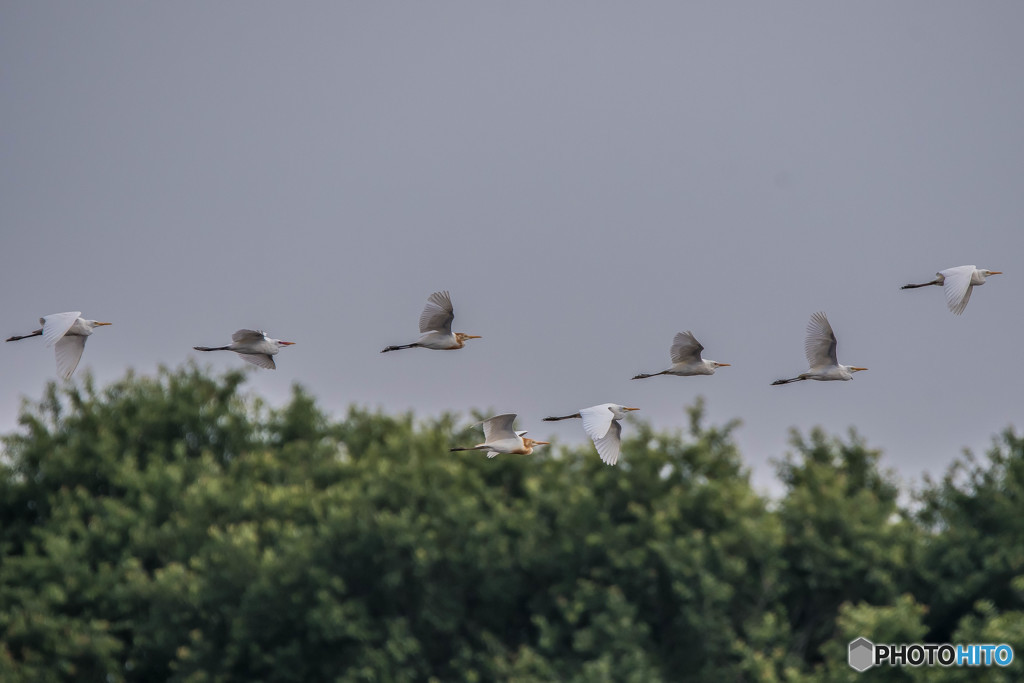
(254, 346)
(958, 283)
(436, 326)
(820, 349)
(601, 423)
(686, 360)
(499, 437)
(68, 332)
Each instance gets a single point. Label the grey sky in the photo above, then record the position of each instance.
(586, 178)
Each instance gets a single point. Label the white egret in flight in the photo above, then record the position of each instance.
(254, 346)
(686, 360)
(601, 423)
(820, 349)
(436, 326)
(499, 437)
(957, 284)
(68, 332)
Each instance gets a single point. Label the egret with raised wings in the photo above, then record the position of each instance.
(958, 283)
(254, 346)
(820, 349)
(499, 437)
(436, 326)
(601, 423)
(68, 332)
(686, 360)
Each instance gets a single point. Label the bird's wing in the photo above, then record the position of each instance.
(259, 359)
(963, 302)
(820, 344)
(499, 427)
(597, 421)
(57, 325)
(438, 314)
(69, 352)
(685, 348)
(957, 287)
(247, 336)
(608, 446)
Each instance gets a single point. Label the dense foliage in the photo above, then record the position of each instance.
(174, 528)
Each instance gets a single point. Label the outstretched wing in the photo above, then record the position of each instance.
(608, 447)
(597, 420)
(499, 427)
(820, 344)
(259, 359)
(249, 336)
(57, 325)
(957, 287)
(69, 352)
(685, 348)
(438, 314)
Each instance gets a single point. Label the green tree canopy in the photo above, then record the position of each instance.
(176, 528)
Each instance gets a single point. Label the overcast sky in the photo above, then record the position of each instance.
(586, 178)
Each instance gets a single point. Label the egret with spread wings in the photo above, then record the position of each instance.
(958, 283)
(254, 346)
(686, 360)
(601, 423)
(436, 326)
(820, 349)
(499, 437)
(67, 332)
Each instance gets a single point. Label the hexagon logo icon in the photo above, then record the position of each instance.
(862, 654)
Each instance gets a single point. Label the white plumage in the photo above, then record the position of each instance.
(686, 359)
(66, 332)
(436, 327)
(601, 423)
(500, 437)
(820, 349)
(957, 284)
(252, 346)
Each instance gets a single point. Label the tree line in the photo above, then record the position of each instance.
(176, 528)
